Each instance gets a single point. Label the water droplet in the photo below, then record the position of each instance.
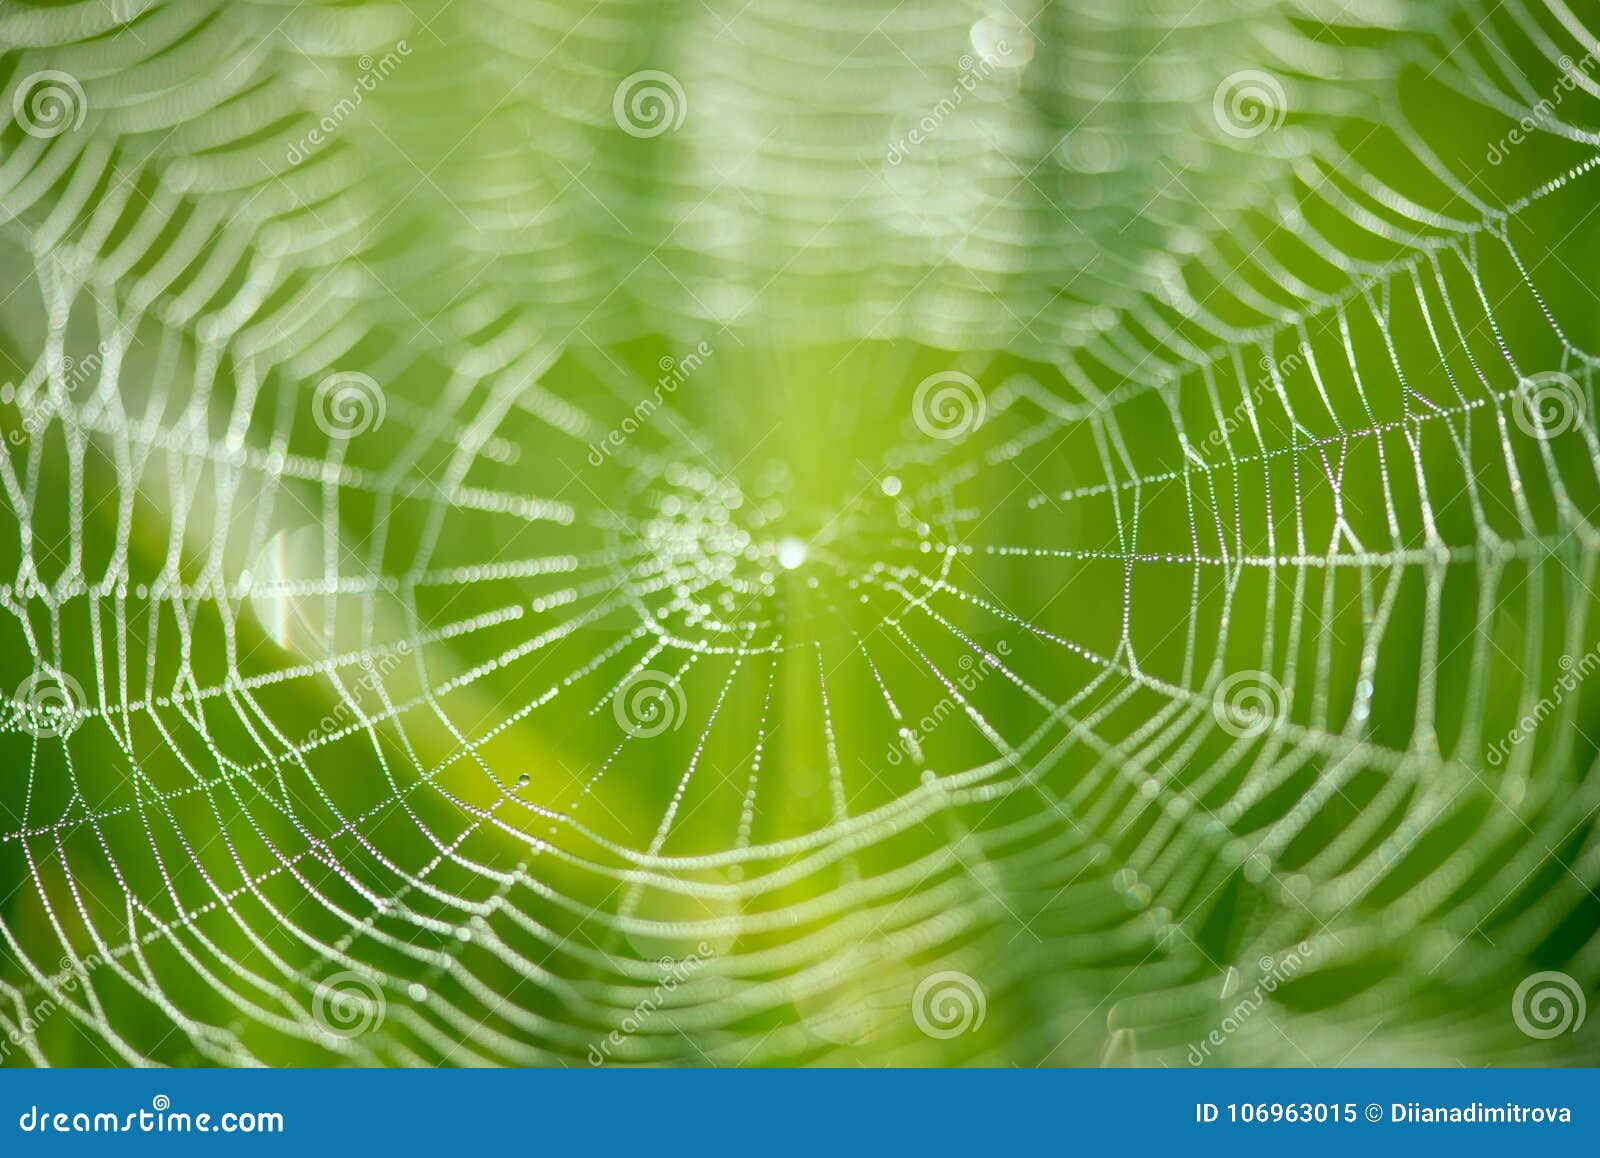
(1002, 42)
(791, 552)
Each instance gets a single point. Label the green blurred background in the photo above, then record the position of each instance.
(713, 534)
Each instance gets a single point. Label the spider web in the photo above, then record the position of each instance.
(464, 580)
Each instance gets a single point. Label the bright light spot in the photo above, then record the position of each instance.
(791, 553)
(1002, 42)
(890, 485)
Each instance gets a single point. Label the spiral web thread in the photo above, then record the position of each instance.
(309, 685)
